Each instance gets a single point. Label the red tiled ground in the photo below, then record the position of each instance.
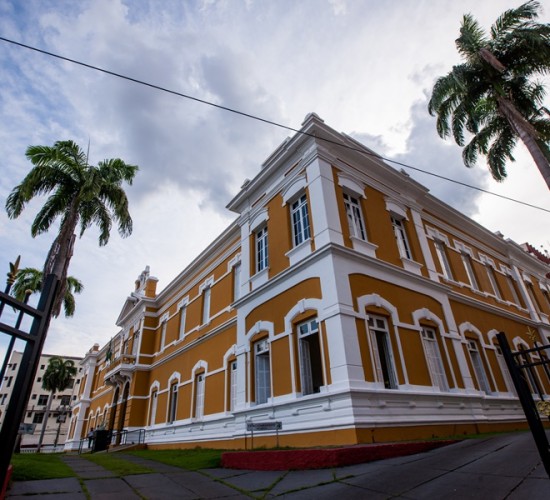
(323, 458)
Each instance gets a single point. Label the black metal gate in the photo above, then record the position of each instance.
(20, 321)
(521, 370)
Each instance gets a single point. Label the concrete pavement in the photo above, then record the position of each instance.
(506, 466)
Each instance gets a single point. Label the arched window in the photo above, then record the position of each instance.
(433, 358)
(380, 338)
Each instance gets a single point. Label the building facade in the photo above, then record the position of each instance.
(345, 302)
(60, 410)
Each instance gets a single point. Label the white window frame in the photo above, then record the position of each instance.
(479, 368)
(262, 371)
(307, 329)
(173, 402)
(236, 271)
(401, 237)
(164, 326)
(467, 261)
(354, 213)
(232, 385)
(299, 216)
(206, 299)
(440, 246)
(183, 317)
(261, 246)
(379, 324)
(433, 358)
(154, 403)
(199, 396)
(493, 280)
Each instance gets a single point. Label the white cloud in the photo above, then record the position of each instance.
(362, 66)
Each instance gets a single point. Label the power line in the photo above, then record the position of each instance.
(265, 120)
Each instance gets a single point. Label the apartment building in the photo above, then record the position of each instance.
(58, 420)
(345, 304)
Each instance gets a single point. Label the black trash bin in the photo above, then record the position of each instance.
(101, 440)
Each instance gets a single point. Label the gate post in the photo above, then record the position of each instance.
(526, 399)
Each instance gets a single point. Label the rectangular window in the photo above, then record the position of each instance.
(65, 400)
(505, 371)
(163, 333)
(38, 417)
(300, 220)
(479, 369)
(380, 337)
(309, 348)
(236, 281)
(533, 297)
(443, 260)
(42, 400)
(467, 260)
(433, 357)
(183, 315)
(355, 217)
(262, 258)
(206, 305)
(514, 289)
(233, 386)
(14, 366)
(401, 238)
(199, 396)
(493, 281)
(173, 406)
(262, 371)
(3, 399)
(8, 381)
(154, 401)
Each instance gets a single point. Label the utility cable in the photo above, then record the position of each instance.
(267, 121)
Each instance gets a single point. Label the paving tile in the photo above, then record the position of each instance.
(224, 473)
(110, 489)
(458, 486)
(205, 487)
(50, 486)
(299, 479)
(532, 489)
(395, 480)
(332, 491)
(256, 480)
(157, 486)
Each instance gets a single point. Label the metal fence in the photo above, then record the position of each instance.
(526, 380)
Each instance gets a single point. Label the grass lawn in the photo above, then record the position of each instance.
(29, 466)
(117, 465)
(195, 459)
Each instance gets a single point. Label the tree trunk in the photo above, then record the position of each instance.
(59, 256)
(45, 421)
(528, 136)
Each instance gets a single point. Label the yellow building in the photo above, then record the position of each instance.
(345, 302)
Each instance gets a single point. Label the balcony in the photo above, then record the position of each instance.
(120, 370)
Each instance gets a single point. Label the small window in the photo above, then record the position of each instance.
(433, 358)
(65, 400)
(173, 403)
(33, 396)
(42, 400)
(262, 371)
(206, 293)
(355, 217)
(467, 260)
(309, 349)
(199, 396)
(300, 220)
(479, 369)
(236, 272)
(493, 281)
(183, 316)
(401, 237)
(262, 258)
(38, 417)
(440, 250)
(233, 385)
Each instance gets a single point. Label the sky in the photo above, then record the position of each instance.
(364, 66)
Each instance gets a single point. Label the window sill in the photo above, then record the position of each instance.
(299, 252)
(411, 265)
(363, 246)
(259, 278)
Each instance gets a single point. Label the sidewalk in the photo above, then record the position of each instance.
(501, 467)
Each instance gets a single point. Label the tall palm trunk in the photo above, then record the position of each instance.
(528, 136)
(60, 255)
(45, 421)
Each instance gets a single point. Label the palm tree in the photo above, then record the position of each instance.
(30, 280)
(78, 194)
(59, 375)
(494, 95)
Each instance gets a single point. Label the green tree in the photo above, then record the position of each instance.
(494, 96)
(30, 280)
(59, 375)
(79, 194)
